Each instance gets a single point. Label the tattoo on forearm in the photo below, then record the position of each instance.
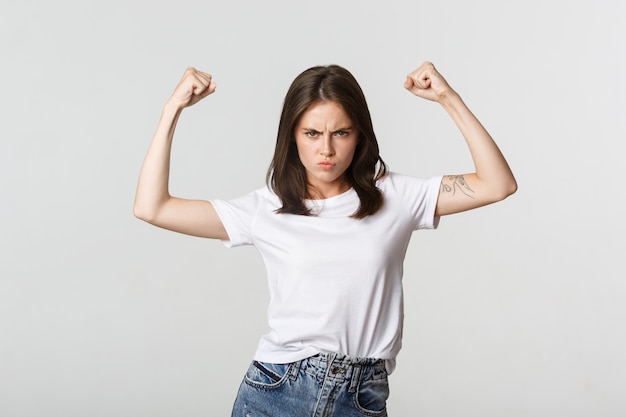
(454, 183)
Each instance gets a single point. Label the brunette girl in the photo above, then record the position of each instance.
(332, 226)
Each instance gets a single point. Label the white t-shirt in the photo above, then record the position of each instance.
(335, 282)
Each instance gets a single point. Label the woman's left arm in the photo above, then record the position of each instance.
(492, 180)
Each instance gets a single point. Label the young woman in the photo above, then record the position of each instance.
(332, 226)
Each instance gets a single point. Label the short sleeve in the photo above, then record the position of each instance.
(419, 195)
(237, 216)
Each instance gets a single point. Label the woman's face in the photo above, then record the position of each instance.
(326, 141)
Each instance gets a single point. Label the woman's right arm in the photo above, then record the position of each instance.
(153, 203)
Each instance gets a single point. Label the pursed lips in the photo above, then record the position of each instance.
(325, 164)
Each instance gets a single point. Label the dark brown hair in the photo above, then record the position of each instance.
(286, 174)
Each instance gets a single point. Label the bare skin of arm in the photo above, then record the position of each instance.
(492, 180)
(153, 202)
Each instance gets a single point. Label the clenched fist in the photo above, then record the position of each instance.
(426, 82)
(192, 87)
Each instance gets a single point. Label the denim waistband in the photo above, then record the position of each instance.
(342, 367)
(339, 359)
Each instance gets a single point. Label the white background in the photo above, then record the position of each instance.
(516, 309)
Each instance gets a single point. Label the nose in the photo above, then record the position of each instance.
(327, 146)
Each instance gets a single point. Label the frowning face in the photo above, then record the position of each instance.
(326, 141)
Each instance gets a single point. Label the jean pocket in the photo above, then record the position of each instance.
(371, 397)
(267, 375)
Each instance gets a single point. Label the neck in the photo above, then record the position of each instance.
(330, 190)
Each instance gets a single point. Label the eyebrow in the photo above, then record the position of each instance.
(310, 129)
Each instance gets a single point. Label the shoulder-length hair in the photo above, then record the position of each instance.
(286, 174)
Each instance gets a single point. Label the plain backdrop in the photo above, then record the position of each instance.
(516, 309)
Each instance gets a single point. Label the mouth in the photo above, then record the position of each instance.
(325, 165)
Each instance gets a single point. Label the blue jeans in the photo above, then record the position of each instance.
(325, 385)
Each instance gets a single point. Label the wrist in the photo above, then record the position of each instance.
(173, 107)
(450, 99)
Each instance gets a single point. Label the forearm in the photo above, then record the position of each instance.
(491, 167)
(153, 186)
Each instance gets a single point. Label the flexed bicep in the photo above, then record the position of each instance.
(190, 217)
(463, 192)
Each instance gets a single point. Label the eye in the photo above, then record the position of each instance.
(342, 133)
(311, 134)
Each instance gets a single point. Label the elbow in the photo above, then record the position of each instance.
(142, 213)
(139, 213)
(507, 189)
(511, 187)
(148, 209)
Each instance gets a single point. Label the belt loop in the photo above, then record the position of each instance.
(356, 376)
(294, 369)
